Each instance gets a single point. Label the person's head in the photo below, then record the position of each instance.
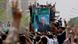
(44, 40)
(42, 19)
(22, 38)
(37, 38)
(50, 36)
(61, 29)
(54, 28)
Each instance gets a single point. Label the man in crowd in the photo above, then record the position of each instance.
(62, 35)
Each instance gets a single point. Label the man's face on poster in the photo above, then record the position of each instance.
(42, 20)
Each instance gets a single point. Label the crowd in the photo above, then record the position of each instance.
(56, 35)
(49, 37)
(9, 33)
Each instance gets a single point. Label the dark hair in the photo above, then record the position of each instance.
(22, 39)
(75, 40)
(63, 28)
(44, 40)
(37, 38)
(50, 36)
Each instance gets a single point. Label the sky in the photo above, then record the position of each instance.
(68, 8)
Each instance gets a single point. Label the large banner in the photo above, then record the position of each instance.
(40, 17)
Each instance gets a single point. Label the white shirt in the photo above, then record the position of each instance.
(50, 41)
(55, 40)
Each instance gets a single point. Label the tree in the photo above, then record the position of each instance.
(73, 21)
